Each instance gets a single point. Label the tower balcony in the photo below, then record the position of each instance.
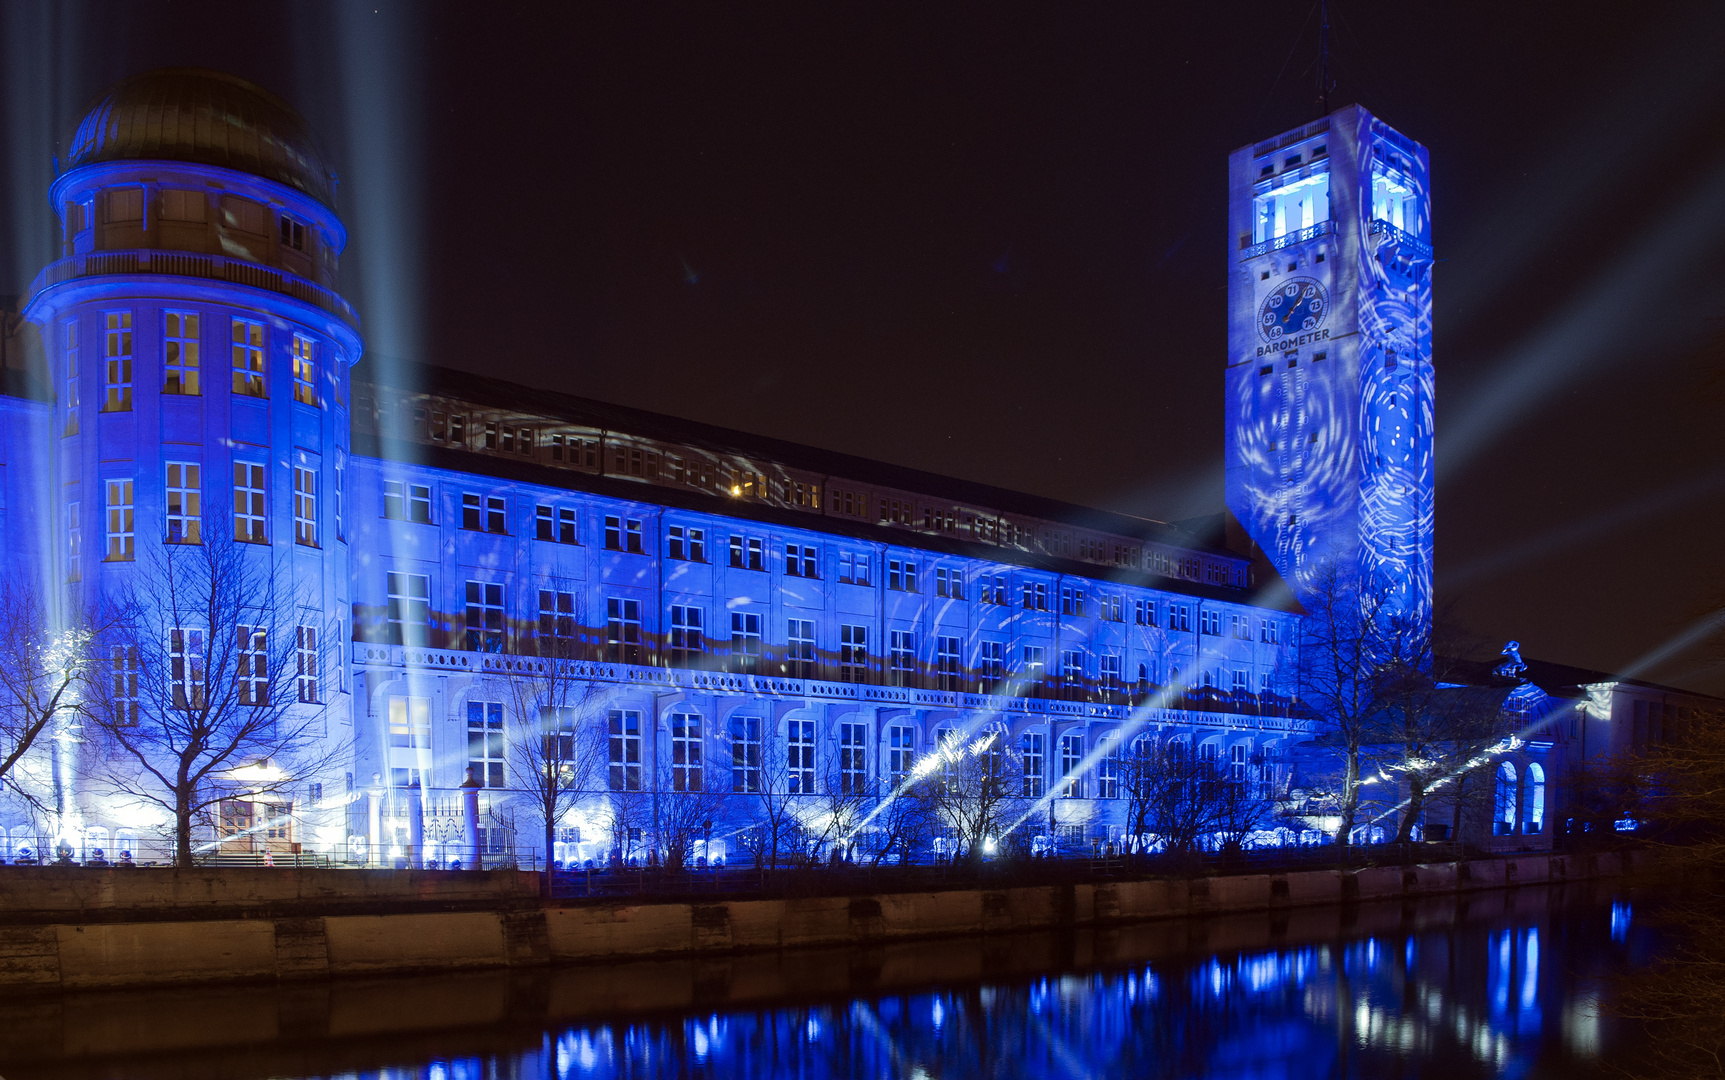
(1299, 236)
(194, 265)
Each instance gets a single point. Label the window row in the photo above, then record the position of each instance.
(183, 507)
(182, 361)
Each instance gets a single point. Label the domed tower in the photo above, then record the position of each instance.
(199, 355)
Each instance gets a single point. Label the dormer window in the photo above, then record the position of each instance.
(293, 233)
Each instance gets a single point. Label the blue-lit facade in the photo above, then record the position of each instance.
(1330, 382)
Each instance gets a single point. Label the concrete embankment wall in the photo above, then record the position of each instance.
(501, 927)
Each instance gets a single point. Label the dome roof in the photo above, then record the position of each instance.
(206, 117)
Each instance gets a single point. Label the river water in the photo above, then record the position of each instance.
(1492, 984)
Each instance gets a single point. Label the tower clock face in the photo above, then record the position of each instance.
(1292, 308)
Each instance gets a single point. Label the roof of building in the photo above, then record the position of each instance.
(530, 401)
(208, 118)
(1558, 680)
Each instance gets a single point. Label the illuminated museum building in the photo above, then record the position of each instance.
(723, 592)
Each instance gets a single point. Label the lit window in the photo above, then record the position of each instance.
(1033, 749)
(250, 506)
(901, 657)
(745, 642)
(1071, 753)
(120, 524)
(949, 662)
(304, 371)
(179, 352)
(1108, 768)
(304, 506)
(124, 673)
(900, 754)
(72, 395)
(117, 362)
(556, 623)
(248, 357)
(991, 661)
(407, 502)
(186, 666)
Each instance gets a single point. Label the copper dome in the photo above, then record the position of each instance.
(206, 117)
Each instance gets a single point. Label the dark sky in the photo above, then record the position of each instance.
(990, 241)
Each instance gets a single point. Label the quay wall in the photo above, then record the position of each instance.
(442, 923)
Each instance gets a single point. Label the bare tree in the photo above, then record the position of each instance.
(208, 674)
(765, 813)
(686, 812)
(1352, 647)
(903, 820)
(559, 756)
(977, 789)
(837, 813)
(43, 674)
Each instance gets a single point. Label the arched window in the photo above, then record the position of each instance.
(1533, 802)
(1503, 817)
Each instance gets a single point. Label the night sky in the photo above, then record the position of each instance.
(990, 241)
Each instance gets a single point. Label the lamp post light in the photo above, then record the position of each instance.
(470, 807)
(707, 843)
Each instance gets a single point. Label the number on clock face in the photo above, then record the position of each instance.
(1293, 308)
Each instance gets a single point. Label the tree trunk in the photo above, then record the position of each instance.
(1350, 798)
(1416, 804)
(545, 879)
(183, 829)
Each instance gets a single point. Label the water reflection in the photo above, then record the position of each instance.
(1426, 991)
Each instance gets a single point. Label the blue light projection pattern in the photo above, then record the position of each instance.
(1472, 1001)
(1330, 384)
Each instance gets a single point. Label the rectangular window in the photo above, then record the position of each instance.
(340, 495)
(304, 370)
(991, 664)
(688, 643)
(623, 750)
(1144, 612)
(949, 662)
(802, 560)
(485, 742)
(853, 759)
(854, 569)
(544, 523)
(1209, 621)
(901, 575)
(557, 728)
(1240, 683)
(304, 506)
(900, 754)
(800, 648)
(124, 672)
(1110, 672)
(567, 532)
(306, 662)
(800, 757)
(186, 666)
(1269, 632)
(179, 352)
(1071, 753)
(72, 395)
(901, 657)
(409, 609)
(292, 233)
(117, 362)
(120, 524)
(676, 542)
(1033, 749)
(745, 642)
(686, 752)
(250, 504)
(185, 503)
(1111, 608)
(748, 553)
(1072, 668)
(409, 723)
(248, 357)
(623, 534)
(623, 630)
(472, 512)
(745, 753)
(496, 519)
(1071, 600)
(853, 653)
(1108, 769)
(408, 502)
(1035, 666)
(556, 623)
(1180, 617)
(485, 616)
(1035, 596)
(252, 668)
(1240, 626)
(993, 588)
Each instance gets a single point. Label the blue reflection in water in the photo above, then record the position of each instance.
(1456, 1003)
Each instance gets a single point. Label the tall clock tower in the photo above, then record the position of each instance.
(1329, 409)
